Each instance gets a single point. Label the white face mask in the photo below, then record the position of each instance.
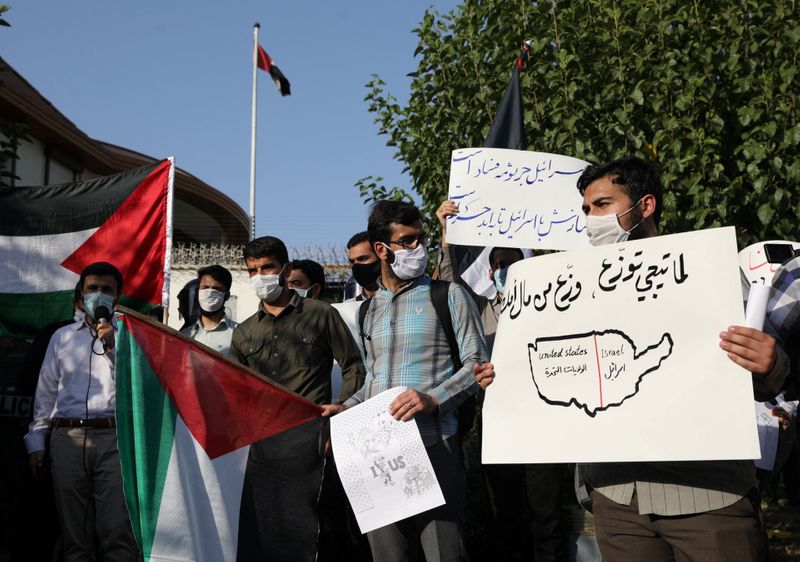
(409, 264)
(211, 300)
(607, 230)
(267, 287)
(303, 292)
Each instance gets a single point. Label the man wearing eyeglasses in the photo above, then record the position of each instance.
(406, 345)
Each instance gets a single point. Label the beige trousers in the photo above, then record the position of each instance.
(87, 481)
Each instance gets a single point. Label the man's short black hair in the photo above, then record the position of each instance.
(267, 247)
(637, 178)
(188, 307)
(358, 239)
(217, 273)
(494, 250)
(311, 269)
(101, 268)
(384, 213)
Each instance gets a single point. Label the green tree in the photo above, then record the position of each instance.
(708, 90)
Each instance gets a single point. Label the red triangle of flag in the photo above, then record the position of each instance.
(224, 406)
(264, 60)
(134, 239)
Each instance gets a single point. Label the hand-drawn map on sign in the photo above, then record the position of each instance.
(383, 465)
(619, 368)
(754, 264)
(516, 198)
(601, 354)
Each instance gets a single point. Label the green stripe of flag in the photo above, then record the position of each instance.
(25, 314)
(145, 431)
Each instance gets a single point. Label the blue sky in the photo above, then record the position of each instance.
(173, 77)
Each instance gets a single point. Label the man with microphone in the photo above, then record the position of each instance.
(75, 406)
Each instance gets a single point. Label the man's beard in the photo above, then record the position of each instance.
(637, 218)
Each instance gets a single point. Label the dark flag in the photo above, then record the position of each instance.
(507, 131)
(265, 63)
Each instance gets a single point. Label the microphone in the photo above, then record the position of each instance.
(103, 315)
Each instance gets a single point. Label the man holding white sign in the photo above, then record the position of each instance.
(406, 344)
(699, 510)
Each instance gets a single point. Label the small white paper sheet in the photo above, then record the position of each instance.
(383, 465)
(756, 311)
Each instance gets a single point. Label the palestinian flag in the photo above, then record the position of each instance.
(49, 234)
(218, 463)
(265, 63)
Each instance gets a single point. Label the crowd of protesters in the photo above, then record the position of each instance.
(433, 335)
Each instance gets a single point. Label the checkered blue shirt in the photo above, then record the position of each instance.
(783, 310)
(783, 316)
(406, 346)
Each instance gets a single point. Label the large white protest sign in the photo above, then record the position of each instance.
(516, 198)
(383, 465)
(754, 263)
(613, 354)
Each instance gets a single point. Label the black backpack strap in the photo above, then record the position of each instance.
(439, 298)
(362, 314)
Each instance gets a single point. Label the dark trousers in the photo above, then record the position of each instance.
(438, 531)
(340, 539)
(526, 508)
(733, 534)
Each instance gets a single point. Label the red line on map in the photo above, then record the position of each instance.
(599, 374)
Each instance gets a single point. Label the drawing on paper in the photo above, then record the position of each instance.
(373, 437)
(594, 371)
(419, 479)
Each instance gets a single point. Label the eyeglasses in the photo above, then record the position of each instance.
(412, 242)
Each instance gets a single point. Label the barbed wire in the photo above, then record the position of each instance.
(194, 256)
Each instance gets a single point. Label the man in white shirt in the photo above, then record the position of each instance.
(213, 328)
(75, 406)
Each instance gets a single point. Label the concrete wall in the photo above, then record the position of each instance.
(242, 304)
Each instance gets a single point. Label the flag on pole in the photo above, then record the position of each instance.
(49, 234)
(265, 63)
(507, 131)
(218, 463)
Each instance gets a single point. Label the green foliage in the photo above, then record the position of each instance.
(708, 90)
(3, 9)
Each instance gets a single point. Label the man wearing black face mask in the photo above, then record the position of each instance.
(365, 264)
(213, 328)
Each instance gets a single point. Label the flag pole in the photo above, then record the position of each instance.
(256, 27)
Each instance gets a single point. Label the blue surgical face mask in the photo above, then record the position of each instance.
(92, 301)
(500, 279)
